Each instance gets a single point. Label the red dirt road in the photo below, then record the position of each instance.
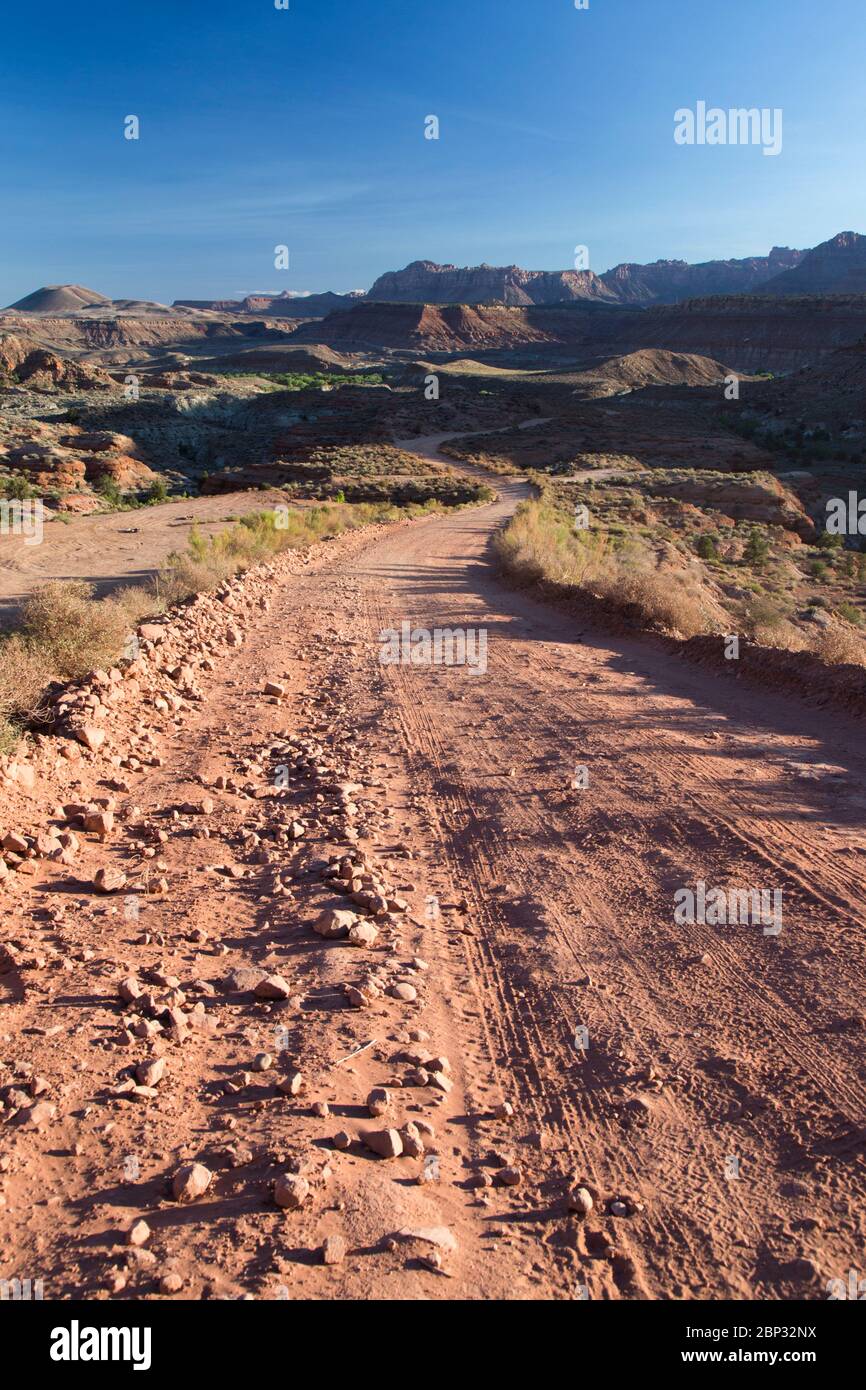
(717, 1091)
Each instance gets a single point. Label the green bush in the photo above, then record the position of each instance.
(707, 547)
(108, 489)
(757, 550)
(157, 492)
(851, 613)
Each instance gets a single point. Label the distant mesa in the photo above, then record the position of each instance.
(230, 306)
(287, 305)
(432, 327)
(673, 282)
(662, 282)
(425, 282)
(277, 357)
(837, 266)
(60, 299)
(294, 306)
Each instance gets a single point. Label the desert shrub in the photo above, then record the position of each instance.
(851, 613)
(707, 547)
(18, 488)
(25, 672)
(661, 599)
(764, 612)
(830, 542)
(65, 632)
(757, 548)
(136, 603)
(783, 634)
(540, 543)
(107, 488)
(769, 625)
(847, 564)
(75, 632)
(840, 647)
(158, 491)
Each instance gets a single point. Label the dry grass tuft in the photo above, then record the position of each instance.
(66, 632)
(840, 646)
(541, 544)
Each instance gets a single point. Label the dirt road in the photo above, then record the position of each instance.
(704, 1082)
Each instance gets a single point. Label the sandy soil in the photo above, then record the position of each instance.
(115, 549)
(717, 1092)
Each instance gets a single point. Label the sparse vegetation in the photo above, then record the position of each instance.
(208, 561)
(636, 570)
(312, 381)
(65, 631)
(757, 551)
(541, 544)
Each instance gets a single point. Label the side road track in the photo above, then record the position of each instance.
(704, 1083)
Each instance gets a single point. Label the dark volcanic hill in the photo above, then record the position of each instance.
(59, 299)
(837, 266)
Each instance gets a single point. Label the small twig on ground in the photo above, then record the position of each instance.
(356, 1052)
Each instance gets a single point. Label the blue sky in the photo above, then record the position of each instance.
(306, 128)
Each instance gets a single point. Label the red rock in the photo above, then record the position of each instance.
(130, 990)
(407, 993)
(509, 1177)
(363, 934)
(291, 1085)
(384, 1142)
(291, 1191)
(378, 1101)
(39, 1115)
(109, 880)
(48, 846)
(273, 987)
(335, 922)
(334, 1250)
(91, 737)
(191, 1181)
(150, 1073)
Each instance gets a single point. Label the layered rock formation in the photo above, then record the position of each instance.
(425, 282)
(837, 266)
(670, 282)
(663, 282)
